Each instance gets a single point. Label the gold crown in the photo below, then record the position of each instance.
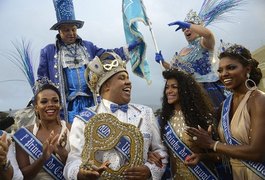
(100, 69)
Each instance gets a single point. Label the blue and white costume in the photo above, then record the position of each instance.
(200, 63)
(138, 115)
(65, 65)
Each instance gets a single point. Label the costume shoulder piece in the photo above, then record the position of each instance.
(87, 114)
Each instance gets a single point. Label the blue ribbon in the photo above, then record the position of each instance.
(256, 167)
(123, 145)
(182, 152)
(33, 147)
(115, 107)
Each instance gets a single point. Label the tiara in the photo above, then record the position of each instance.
(40, 83)
(193, 17)
(231, 49)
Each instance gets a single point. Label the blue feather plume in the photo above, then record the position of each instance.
(22, 59)
(213, 10)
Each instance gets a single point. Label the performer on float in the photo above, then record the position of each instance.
(198, 57)
(42, 148)
(108, 77)
(65, 61)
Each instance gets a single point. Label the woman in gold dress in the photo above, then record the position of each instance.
(242, 124)
(184, 104)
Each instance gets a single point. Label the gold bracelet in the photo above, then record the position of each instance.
(215, 146)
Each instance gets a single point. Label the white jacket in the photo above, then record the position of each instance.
(148, 126)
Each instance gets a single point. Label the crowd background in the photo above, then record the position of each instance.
(32, 20)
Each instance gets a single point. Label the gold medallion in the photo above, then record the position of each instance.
(104, 132)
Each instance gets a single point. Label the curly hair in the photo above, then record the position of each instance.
(244, 57)
(195, 104)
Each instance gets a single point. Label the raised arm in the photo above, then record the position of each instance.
(208, 40)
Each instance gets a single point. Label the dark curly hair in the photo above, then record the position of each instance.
(243, 56)
(195, 104)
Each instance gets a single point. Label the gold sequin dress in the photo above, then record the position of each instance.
(178, 169)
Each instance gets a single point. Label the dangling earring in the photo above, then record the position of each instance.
(58, 120)
(59, 117)
(248, 81)
(37, 118)
(37, 115)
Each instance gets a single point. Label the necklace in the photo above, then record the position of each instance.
(72, 50)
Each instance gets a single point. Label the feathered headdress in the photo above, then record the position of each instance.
(212, 11)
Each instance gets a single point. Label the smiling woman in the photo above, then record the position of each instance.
(49, 132)
(33, 23)
(241, 128)
(184, 104)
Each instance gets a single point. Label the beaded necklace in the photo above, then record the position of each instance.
(72, 49)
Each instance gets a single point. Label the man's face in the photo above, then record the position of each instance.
(119, 88)
(68, 33)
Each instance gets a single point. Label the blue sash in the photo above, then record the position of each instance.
(123, 145)
(182, 151)
(256, 167)
(1, 132)
(33, 147)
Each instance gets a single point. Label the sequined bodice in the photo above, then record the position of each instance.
(178, 169)
(198, 61)
(178, 123)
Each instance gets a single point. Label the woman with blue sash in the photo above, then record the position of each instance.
(184, 104)
(242, 124)
(42, 148)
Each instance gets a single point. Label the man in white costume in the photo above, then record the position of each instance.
(108, 77)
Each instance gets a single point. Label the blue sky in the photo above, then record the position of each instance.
(32, 19)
